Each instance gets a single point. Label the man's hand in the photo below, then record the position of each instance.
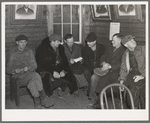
(72, 61)
(62, 73)
(121, 82)
(138, 77)
(25, 69)
(18, 70)
(106, 66)
(56, 75)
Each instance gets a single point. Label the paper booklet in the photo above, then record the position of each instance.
(78, 59)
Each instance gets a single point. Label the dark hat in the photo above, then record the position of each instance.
(21, 37)
(54, 37)
(91, 37)
(127, 38)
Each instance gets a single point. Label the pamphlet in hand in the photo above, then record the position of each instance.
(78, 59)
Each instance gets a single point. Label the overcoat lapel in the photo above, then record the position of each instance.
(116, 52)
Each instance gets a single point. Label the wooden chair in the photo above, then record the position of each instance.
(115, 103)
(16, 90)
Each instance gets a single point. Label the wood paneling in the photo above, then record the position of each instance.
(101, 28)
(34, 31)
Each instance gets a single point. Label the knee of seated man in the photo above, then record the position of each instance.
(94, 78)
(35, 76)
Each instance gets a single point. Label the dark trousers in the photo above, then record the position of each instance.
(72, 85)
(88, 75)
(138, 91)
(50, 83)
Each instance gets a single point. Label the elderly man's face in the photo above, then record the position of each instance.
(116, 41)
(131, 44)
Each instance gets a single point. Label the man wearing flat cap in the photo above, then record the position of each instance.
(21, 65)
(132, 72)
(92, 53)
(53, 66)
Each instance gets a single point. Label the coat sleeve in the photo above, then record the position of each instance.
(79, 51)
(10, 64)
(106, 55)
(115, 66)
(140, 57)
(64, 62)
(33, 63)
(86, 60)
(123, 68)
(44, 60)
(102, 55)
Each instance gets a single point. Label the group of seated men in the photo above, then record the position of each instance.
(56, 66)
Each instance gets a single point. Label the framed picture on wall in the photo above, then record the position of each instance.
(101, 12)
(23, 14)
(25, 11)
(127, 12)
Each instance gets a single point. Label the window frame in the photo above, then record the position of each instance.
(80, 21)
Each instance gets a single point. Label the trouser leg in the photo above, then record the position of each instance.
(142, 97)
(87, 75)
(81, 80)
(94, 80)
(47, 83)
(35, 84)
(62, 83)
(72, 83)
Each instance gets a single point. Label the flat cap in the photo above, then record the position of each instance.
(21, 37)
(126, 39)
(54, 37)
(91, 37)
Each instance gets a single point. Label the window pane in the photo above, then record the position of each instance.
(75, 14)
(57, 14)
(66, 29)
(57, 29)
(66, 14)
(75, 32)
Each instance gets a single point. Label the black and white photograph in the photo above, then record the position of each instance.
(75, 61)
(25, 11)
(101, 12)
(129, 12)
(128, 9)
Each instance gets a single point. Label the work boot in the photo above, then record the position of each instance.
(45, 100)
(37, 104)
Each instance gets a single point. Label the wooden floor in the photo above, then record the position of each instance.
(67, 102)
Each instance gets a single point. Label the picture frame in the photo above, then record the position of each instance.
(25, 11)
(131, 13)
(101, 12)
(26, 19)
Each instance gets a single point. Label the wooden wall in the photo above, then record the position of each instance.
(37, 31)
(34, 30)
(101, 28)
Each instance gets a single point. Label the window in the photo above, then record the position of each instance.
(67, 19)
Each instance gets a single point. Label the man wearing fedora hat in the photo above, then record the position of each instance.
(21, 65)
(51, 59)
(132, 72)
